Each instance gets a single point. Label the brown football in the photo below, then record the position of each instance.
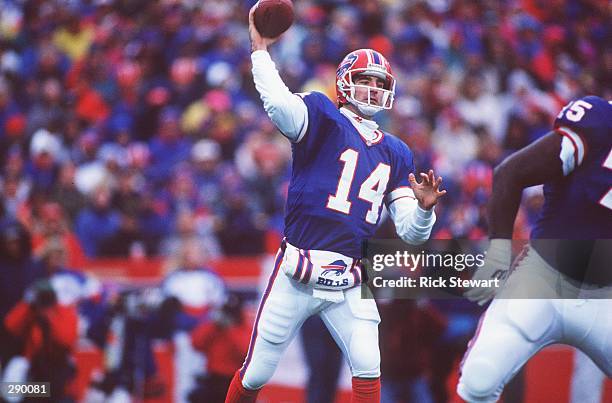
(273, 17)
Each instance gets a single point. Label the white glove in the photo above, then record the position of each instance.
(335, 276)
(496, 266)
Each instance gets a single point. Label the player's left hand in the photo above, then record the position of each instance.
(428, 191)
(496, 266)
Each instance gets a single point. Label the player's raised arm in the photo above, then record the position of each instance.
(287, 110)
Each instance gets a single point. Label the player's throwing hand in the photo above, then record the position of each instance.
(258, 42)
(428, 191)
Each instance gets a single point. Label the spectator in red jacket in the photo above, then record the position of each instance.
(18, 270)
(225, 341)
(49, 333)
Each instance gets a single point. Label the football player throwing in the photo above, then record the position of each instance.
(344, 168)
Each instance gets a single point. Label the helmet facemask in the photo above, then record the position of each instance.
(346, 84)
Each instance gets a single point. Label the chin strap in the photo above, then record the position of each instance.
(368, 110)
(358, 120)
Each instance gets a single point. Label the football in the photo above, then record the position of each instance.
(273, 17)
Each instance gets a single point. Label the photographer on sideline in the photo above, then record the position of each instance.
(48, 334)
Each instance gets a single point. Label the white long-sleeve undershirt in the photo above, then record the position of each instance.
(412, 223)
(287, 110)
(290, 114)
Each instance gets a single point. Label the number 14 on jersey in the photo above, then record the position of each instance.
(372, 190)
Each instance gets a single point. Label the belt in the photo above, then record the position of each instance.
(353, 263)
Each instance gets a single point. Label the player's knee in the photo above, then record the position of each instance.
(254, 380)
(365, 362)
(364, 352)
(259, 372)
(480, 381)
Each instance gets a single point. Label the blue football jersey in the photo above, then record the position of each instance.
(573, 231)
(579, 205)
(340, 180)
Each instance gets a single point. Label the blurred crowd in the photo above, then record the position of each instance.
(49, 312)
(132, 128)
(140, 119)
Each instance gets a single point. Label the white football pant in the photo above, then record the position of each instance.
(287, 303)
(511, 331)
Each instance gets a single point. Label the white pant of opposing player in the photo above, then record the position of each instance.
(286, 304)
(511, 331)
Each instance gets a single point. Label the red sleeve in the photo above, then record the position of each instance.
(202, 336)
(64, 325)
(19, 319)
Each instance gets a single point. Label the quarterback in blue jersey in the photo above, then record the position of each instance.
(344, 168)
(564, 260)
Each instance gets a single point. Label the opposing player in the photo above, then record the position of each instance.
(344, 168)
(574, 162)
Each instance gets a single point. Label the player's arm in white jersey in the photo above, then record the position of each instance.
(287, 110)
(411, 209)
(549, 158)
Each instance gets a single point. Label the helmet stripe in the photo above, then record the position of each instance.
(377, 59)
(369, 53)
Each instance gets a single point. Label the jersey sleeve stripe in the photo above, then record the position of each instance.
(576, 142)
(401, 197)
(568, 155)
(401, 192)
